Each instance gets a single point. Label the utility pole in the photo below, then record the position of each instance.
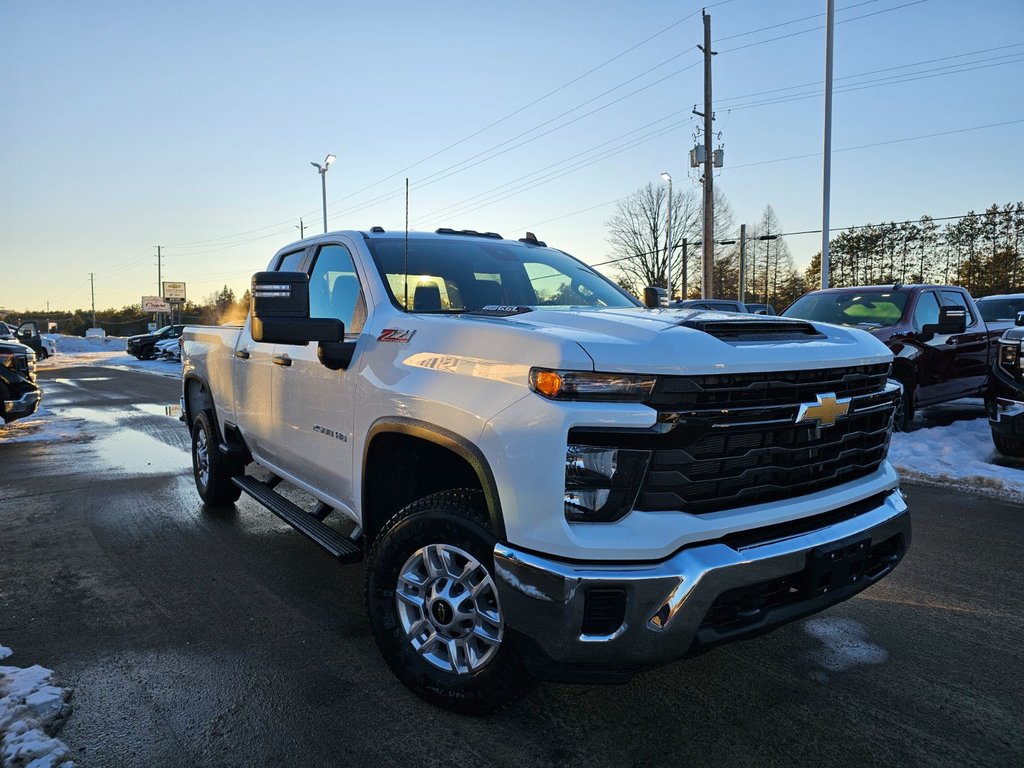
(685, 278)
(302, 229)
(668, 247)
(92, 288)
(826, 176)
(708, 236)
(743, 264)
(159, 285)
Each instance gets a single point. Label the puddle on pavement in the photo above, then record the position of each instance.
(139, 453)
(174, 411)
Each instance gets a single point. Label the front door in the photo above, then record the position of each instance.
(315, 404)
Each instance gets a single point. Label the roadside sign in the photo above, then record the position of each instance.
(174, 291)
(155, 304)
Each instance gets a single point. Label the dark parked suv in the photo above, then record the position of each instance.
(941, 347)
(142, 345)
(19, 394)
(1006, 403)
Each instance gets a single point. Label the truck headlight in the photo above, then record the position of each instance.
(588, 385)
(601, 484)
(1009, 355)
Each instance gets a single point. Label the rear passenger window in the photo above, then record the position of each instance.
(290, 261)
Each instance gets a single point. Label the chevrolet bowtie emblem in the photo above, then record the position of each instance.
(825, 411)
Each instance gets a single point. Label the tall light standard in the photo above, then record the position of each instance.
(668, 282)
(322, 170)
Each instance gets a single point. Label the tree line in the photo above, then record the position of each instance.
(980, 251)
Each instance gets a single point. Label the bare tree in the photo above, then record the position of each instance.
(638, 235)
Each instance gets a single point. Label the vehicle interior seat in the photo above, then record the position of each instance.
(427, 298)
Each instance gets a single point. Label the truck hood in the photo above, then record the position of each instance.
(675, 341)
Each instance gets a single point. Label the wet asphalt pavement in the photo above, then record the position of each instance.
(200, 639)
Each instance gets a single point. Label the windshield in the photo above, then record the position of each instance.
(993, 310)
(449, 275)
(861, 309)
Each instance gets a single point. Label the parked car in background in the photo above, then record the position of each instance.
(761, 309)
(941, 347)
(1006, 402)
(1000, 312)
(143, 345)
(28, 334)
(19, 394)
(169, 349)
(718, 305)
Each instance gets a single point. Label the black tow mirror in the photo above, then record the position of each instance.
(280, 311)
(952, 320)
(655, 297)
(1020, 318)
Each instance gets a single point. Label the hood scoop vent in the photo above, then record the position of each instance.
(755, 330)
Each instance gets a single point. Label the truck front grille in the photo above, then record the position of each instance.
(731, 441)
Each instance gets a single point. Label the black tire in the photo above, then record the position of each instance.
(455, 520)
(43, 354)
(1008, 445)
(214, 485)
(146, 353)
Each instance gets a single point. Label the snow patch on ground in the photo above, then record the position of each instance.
(960, 454)
(42, 426)
(30, 705)
(844, 643)
(73, 345)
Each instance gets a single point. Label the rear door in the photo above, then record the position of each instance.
(314, 427)
(251, 379)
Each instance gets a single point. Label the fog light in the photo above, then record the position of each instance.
(1009, 354)
(601, 483)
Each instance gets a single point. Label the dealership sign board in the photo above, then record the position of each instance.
(155, 304)
(174, 292)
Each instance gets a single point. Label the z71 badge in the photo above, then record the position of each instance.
(396, 334)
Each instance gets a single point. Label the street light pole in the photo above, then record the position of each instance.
(322, 170)
(668, 247)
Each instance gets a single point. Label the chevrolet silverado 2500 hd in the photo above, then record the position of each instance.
(545, 478)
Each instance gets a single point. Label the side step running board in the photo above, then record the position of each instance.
(338, 545)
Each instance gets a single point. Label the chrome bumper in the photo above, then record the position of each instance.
(666, 602)
(23, 406)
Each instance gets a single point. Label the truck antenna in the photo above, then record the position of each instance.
(406, 243)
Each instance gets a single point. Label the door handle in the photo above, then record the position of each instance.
(242, 354)
(282, 360)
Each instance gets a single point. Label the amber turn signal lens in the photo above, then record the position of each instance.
(548, 383)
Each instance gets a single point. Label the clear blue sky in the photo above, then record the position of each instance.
(192, 124)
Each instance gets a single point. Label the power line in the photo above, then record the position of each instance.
(882, 143)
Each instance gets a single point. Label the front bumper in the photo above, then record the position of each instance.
(701, 596)
(25, 405)
(1006, 416)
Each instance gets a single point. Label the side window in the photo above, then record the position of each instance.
(334, 289)
(956, 299)
(290, 262)
(927, 311)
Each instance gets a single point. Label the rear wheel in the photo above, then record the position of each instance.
(1008, 445)
(433, 604)
(209, 467)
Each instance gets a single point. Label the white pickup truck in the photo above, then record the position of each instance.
(545, 478)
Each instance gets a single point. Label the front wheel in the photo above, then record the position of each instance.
(1008, 445)
(213, 481)
(433, 605)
